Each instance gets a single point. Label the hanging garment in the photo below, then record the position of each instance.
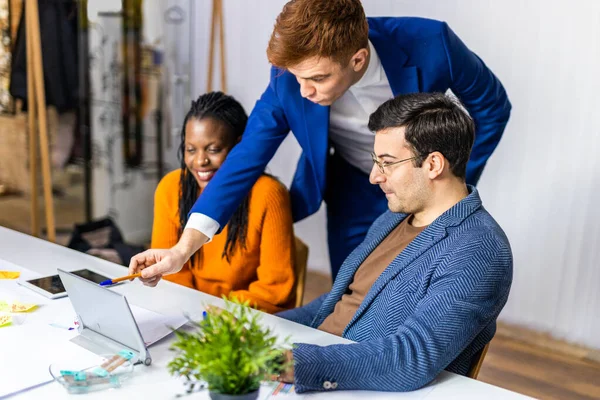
(132, 82)
(58, 32)
(6, 103)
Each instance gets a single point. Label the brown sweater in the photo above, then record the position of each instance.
(367, 274)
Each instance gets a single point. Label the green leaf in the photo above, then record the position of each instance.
(230, 350)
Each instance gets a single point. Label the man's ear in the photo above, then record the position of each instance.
(435, 164)
(359, 59)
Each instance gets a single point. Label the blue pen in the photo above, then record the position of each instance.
(117, 280)
(61, 327)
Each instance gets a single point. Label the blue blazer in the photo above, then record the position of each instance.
(418, 55)
(433, 308)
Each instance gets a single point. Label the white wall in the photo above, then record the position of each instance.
(542, 183)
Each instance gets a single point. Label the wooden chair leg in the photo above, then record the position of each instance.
(478, 362)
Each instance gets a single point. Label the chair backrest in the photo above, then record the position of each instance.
(477, 362)
(300, 262)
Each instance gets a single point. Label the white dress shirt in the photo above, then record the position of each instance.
(349, 115)
(348, 127)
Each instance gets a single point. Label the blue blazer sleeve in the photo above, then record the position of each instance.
(484, 97)
(267, 127)
(466, 293)
(306, 314)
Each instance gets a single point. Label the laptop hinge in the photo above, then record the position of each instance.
(101, 345)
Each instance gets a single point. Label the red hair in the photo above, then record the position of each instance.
(334, 29)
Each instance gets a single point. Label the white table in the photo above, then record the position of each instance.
(155, 382)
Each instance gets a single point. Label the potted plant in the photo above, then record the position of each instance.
(230, 351)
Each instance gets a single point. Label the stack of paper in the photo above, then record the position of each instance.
(154, 326)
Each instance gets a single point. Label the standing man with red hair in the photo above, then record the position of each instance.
(332, 68)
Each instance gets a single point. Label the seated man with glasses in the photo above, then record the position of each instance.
(423, 291)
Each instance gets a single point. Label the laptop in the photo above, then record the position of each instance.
(106, 323)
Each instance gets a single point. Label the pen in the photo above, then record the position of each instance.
(123, 278)
(62, 327)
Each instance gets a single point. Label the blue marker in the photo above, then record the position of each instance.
(117, 280)
(61, 327)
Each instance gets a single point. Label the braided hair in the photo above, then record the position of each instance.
(226, 110)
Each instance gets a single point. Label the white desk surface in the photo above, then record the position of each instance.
(155, 382)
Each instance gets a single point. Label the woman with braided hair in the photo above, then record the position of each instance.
(252, 257)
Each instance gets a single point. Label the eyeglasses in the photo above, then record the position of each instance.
(382, 164)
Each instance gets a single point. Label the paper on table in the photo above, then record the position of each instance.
(280, 390)
(5, 320)
(16, 306)
(23, 272)
(154, 326)
(10, 290)
(9, 274)
(28, 350)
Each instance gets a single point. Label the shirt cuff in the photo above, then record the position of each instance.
(204, 224)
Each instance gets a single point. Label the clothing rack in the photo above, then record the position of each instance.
(37, 108)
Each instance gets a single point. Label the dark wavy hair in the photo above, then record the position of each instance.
(228, 111)
(433, 122)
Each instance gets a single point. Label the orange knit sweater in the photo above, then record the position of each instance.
(263, 273)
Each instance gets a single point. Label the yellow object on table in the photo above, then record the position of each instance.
(16, 307)
(5, 320)
(20, 307)
(9, 274)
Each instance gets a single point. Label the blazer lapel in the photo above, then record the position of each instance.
(316, 124)
(403, 79)
(353, 261)
(423, 242)
(432, 235)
